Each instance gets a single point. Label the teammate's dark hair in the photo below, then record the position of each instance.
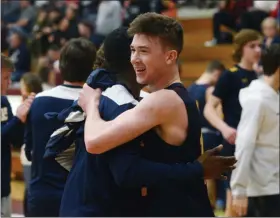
(76, 60)
(117, 50)
(166, 28)
(271, 59)
(100, 61)
(215, 65)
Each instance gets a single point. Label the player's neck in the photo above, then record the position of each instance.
(74, 83)
(246, 65)
(131, 84)
(165, 81)
(272, 82)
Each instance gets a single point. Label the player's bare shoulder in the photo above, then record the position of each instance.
(167, 99)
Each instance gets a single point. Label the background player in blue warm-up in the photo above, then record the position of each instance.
(48, 177)
(201, 90)
(247, 52)
(112, 181)
(157, 42)
(12, 130)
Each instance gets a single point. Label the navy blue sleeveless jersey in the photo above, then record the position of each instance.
(198, 92)
(47, 176)
(173, 198)
(211, 136)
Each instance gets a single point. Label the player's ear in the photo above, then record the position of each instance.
(171, 57)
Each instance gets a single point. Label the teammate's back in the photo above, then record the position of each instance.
(47, 176)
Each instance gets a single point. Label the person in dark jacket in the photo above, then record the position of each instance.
(19, 55)
(11, 133)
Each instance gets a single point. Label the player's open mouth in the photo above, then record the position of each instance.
(140, 70)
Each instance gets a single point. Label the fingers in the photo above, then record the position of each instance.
(228, 169)
(227, 160)
(240, 206)
(215, 150)
(232, 138)
(227, 164)
(87, 88)
(28, 102)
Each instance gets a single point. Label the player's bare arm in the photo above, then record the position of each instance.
(101, 136)
(210, 112)
(208, 95)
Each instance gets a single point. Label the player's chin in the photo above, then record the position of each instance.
(141, 80)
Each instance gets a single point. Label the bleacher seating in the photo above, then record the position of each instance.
(195, 56)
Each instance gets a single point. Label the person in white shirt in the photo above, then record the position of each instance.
(266, 6)
(109, 18)
(255, 181)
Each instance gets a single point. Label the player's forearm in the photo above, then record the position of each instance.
(135, 172)
(94, 126)
(102, 136)
(213, 118)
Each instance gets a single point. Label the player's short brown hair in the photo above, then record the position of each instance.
(166, 28)
(241, 39)
(76, 59)
(6, 62)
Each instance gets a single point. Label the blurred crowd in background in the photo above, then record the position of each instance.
(33, 32)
